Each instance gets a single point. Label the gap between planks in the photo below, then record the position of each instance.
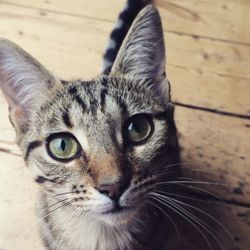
(210, 110)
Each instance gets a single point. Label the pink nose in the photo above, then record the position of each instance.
(114, 190)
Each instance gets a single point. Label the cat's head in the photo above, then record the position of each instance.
(99, 146)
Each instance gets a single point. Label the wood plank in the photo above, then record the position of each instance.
(209, 90)
(219, 20)
(211, 19)
(18, 223)
(217, 71)
(218, 148)
(213, 57)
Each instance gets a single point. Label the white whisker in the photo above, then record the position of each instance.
(169, 218)
(186, 218)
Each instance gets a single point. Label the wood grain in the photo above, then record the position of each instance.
(216, 71)
(18, 222)
(218, 20)
(218, 148)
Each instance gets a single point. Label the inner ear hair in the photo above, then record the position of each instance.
(143, 52)
(24, 82)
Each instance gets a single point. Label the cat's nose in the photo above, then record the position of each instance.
(114, 190)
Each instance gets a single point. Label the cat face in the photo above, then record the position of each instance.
(97, 146)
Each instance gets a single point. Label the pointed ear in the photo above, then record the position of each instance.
(24, 82)
(142, 53)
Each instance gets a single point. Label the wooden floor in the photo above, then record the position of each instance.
(208, 50)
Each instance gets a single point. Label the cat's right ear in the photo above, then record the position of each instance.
(24, 81)
(142, 54)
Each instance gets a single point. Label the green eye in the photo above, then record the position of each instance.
(138, 128)
(62, 147)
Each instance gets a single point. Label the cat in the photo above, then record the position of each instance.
(101, 149)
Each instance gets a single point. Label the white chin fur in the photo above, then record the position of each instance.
(116, 219)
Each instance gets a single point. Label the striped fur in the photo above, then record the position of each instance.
(76, 210)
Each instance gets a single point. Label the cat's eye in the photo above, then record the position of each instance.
(138, 128)
(62, 146)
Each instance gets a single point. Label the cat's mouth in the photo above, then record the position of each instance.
(118, 214)
(117, 209)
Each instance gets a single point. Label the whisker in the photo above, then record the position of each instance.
(39, 221)
(181, 196)
(165, 170)
(64, 204)
(194, 182)
(217, 197)
(60, 201)
(72, 218)
(208, 215)
(204, 225)
(197, 209)
(169, 218)
(56, 195)
(201, 223)
(187, 219)
(166, 167)
(193, 179)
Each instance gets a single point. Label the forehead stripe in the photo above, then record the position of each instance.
(81, 102)
(93, 103)
(123, 106)
(31, 146)
(104, 92)
(41, 179)
(73, 91)
(66, 119)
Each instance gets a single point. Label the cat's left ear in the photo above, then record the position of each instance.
(24, 81)
(142, 54)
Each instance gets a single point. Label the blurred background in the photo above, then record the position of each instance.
(208, 65)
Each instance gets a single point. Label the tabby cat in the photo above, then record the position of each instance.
(99, 148)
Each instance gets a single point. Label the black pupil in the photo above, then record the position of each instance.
(135, 126)
(138, 129)
(63, 145)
